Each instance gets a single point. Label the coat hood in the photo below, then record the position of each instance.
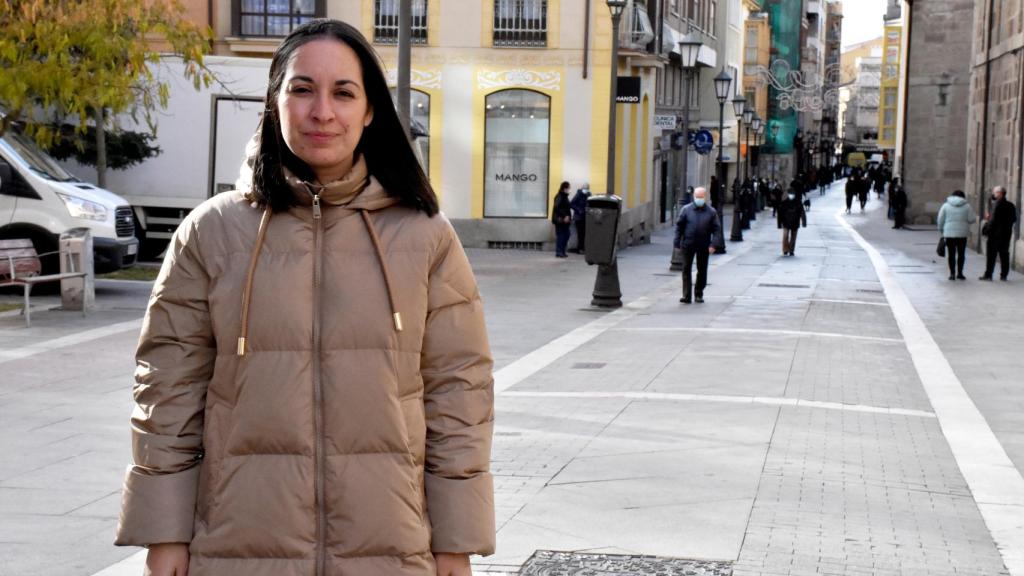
(357, 190)
(956, 201)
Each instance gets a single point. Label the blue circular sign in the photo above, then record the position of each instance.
(703, 141)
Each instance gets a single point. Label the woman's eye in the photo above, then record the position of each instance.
(343, 94)
(299, 89)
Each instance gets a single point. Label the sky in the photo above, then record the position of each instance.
(862, 20)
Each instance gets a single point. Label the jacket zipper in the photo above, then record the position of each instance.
(321, 516)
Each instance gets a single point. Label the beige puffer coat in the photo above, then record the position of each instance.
(339, 421)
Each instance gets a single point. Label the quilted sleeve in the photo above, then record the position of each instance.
(458, 383)
(174, 363)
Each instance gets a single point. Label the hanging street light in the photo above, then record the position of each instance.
(689, 50)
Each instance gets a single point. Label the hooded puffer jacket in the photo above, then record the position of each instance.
(955, 218)
(313, 391)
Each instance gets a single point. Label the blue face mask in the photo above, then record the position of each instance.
(698, 202)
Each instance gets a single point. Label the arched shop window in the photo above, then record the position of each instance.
(419, 110)
(516, 154)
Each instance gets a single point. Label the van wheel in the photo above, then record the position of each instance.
(149, 250)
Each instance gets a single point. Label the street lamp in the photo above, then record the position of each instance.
(754, 125)
(739, 110)
(775, 136)
(760, 145)
(739, 104)
(722, 84)
(689, 50)
(606, 286)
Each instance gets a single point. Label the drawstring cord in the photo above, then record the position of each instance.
(247, 291)
(395, 314)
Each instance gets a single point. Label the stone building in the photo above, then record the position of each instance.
(995, 135)
(936, 81)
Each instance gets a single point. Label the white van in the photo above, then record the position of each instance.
(40, 200)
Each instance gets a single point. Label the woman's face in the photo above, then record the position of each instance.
(323, 107)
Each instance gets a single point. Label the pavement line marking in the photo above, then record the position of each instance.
(796, 333)
(767, 400)
(996, 485)
(857, 302)
(70, 340)
(542, 357)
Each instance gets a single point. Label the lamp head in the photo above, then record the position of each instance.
(748, 115)
(739, 104)
(722, 84)
(616, 7)
(755, 124)
(689, 50)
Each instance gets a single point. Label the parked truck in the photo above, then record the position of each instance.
(202, 136)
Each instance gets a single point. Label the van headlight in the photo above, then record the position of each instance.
(79, 208)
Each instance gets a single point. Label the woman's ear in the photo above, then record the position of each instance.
(369, 117)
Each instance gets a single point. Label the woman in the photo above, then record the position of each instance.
(561, 217)
(954, 221)
(314, 390)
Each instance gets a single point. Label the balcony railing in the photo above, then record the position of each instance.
(385, 21)
(520, 23)
(636, 31)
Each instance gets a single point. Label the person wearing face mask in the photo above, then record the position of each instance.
(999, 230)
(791, 216)
(696, 229)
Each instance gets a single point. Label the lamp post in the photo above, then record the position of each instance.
(775, 136)
(760, 148)
(722, 84)
(739, 109)
(606, 286)
(755, 125)
(689, 49)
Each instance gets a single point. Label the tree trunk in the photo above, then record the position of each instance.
(101, 148)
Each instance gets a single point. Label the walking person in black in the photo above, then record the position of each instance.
(791, 216)
(561, 217)
(999, 229)
(863, 188)
(898, 201)
(696, 229)
(852, 187)
(579, 217)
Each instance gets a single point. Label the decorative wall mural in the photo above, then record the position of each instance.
(418, 78)
(519, 78)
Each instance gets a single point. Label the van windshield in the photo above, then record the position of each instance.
(38, 161)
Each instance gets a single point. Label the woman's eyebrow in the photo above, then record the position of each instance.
(341, 82)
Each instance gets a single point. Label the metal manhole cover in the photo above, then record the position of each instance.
(870, 291)
(667, 274)
(548, 563)
(588, 365)
(783, 285)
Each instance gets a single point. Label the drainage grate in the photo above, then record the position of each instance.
(588, 365)
(505, 245)
(870, 291)
(547, 563)
(766, 285)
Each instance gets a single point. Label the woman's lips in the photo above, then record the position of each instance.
(321, 137)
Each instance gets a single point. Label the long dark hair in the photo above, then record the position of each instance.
(384, 144)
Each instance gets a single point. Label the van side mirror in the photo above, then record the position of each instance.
(5, 173)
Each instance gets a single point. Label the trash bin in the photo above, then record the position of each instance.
(76, 256)
(602, 228)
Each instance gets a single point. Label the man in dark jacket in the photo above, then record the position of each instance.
(898, 201)
(791, 217)
(999, 227)
(579, 217)
(696, 228)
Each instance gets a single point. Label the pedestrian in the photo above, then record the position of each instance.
(561, 217)
(852, 185)
(776, 196)
(998, 228)
(898, 200)
(863, 189)
(697, 228)
(314, 392)
(791, 217)
(579, 217)
(954, 221)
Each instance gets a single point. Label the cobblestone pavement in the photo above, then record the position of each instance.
(781, 427)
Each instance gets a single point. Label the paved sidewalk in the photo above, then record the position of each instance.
(781, 428)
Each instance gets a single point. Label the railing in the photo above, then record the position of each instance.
(385, 22)
(520, 23)
(636, 32)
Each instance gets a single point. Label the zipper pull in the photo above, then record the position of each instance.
(316, 206)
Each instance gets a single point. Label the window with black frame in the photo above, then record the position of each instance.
(385, 21)
(274, 17)
(520, 23)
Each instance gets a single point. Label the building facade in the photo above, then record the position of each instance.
(995, 135)
(860, 77)
(932, 154)
(889, 82)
